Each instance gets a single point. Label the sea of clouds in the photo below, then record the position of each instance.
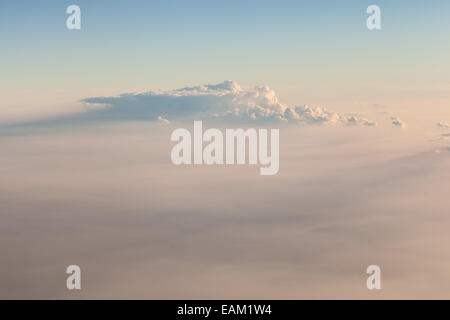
(97, 188)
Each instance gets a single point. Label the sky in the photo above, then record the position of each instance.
(310, 52)
(85, 123)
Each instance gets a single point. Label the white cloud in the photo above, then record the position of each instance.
(397, 122)
(443, 125)
(224, 101)
(163, 120)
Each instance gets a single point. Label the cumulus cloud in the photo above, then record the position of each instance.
(224, 101)
(397, 122)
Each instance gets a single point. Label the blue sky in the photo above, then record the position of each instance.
(319, 51)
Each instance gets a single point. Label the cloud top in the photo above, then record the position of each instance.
(225, 101)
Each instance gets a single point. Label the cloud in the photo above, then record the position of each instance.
(223, 101)
(163, 120)
(397, 122)
(109, 198)
(443, 125)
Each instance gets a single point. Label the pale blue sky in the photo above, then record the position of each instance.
(313, 50)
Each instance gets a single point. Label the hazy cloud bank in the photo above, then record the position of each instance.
(108, 199)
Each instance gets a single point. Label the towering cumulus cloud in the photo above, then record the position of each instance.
(224, 101)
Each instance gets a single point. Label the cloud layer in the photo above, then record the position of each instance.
(109, 200)
(223, 101)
